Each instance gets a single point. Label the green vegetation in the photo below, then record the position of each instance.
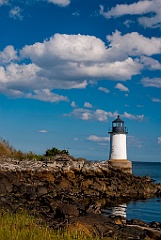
(6, 150)
(54, 151)
(21, 226)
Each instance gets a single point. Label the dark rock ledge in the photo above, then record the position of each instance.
(70, 193)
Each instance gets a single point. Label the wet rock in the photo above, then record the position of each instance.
(155, 225)
(138, 222)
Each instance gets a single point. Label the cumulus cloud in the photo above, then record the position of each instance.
(137, 8)
(106, 90)
(132, 116)
(151, 82)
(8, 54)
(62, 3)
(133, 44)
(101, 115)
(67, 47)
(86, 114)
(73, 61)
(150, 63)
(79, 56)
(88, 105)
(140, 7)
(121, 87)
(95, 138)
(16, 13)
(159, 140)
(46, 95)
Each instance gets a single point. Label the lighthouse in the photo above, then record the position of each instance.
(118, 149)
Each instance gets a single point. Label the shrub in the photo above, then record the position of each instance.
(54, 151)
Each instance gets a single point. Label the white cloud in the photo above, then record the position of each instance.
(95, 138)
(66, 47)
(106, 90)
(155, 20)
(18, 75)
(151, 82)
(46, 95)
(101, 115)
(121, 87)
(3, 2)
(156, 100)
(16, 13)
(128, 23)
(150, 63)
(74, 61)
(43, 131)
(137, 8)
(8, 54)
(132, 116)
(140, 7)
(133, 44)
(76, 57)
(86, 114)
(73, 104)
(62, 3)
(159, 140)
(88, 105)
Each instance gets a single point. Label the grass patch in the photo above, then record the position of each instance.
(21, 226)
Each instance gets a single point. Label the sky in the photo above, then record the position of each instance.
(68, 68)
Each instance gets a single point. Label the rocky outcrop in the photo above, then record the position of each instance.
(69, 192)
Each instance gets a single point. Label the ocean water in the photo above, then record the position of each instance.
(148, 210)
(152, 169)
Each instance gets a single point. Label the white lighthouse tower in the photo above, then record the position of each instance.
(118, 150)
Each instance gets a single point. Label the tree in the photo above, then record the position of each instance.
(54, 151)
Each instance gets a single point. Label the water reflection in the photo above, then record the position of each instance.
(145, 210)
(119, 210)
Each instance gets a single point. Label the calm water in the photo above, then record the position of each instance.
(152, 169)
(149, 210)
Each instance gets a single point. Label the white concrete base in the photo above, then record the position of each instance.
(122, 164)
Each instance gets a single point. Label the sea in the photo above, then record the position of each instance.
(146, 210)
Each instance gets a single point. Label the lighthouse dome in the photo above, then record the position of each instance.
(118, 126)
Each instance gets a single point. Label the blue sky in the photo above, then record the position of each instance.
(69, 67)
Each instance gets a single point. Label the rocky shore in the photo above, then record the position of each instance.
(65, 192)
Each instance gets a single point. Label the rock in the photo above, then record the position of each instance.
(152, 234)
(95, 208)
(138, 222)
(59, 214)
(71, 192)
(155, 225)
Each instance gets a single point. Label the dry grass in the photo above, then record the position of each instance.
(21, 226)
